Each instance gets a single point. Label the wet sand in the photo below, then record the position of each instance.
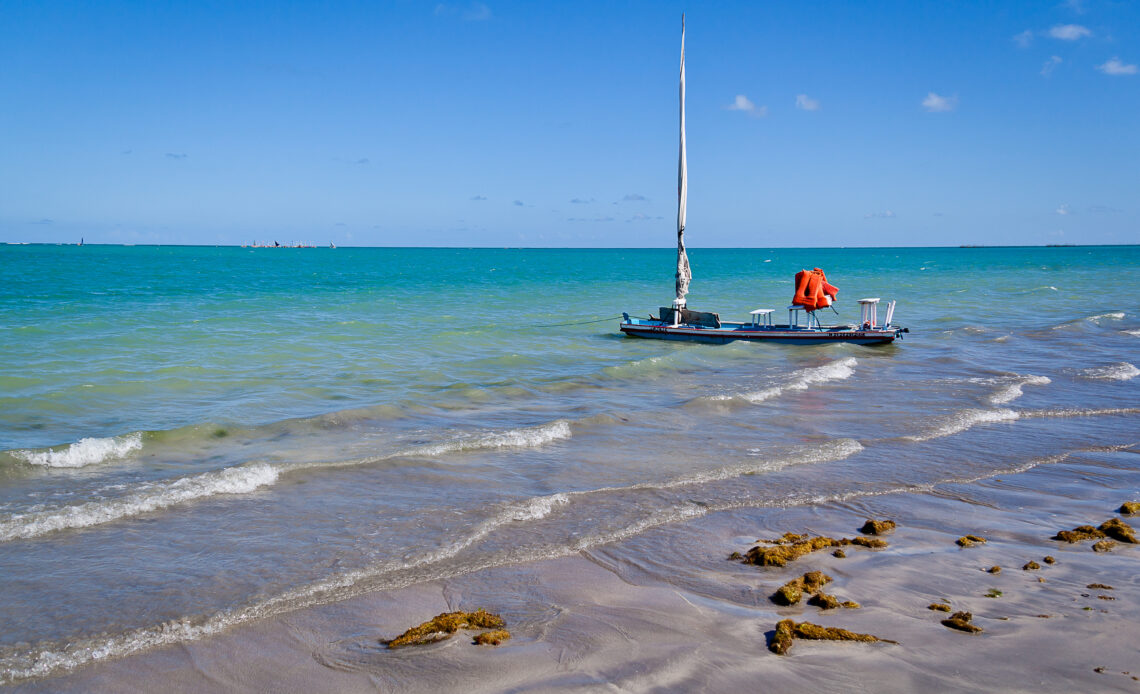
(667, 611)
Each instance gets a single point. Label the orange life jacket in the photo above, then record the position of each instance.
(813, 290)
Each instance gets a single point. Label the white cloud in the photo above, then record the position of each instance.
(742, 103)
(936, 104)
(1052, 62)
(1069, 32)
(1024, 38)
(803, 101)
(1063, 210)
(1115, 67)
(885, 214)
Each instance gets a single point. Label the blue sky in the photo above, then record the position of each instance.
(554, 124)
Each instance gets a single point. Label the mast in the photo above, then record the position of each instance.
(684, 274)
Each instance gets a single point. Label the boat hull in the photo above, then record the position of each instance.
(790, 335)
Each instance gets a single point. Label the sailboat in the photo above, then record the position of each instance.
(679, 323)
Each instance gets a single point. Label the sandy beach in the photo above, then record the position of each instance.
(666, 611)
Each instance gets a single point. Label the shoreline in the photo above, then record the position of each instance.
(665, 608)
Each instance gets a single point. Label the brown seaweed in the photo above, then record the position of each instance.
(492, 638)
(877, 527)
(1098, 586)
(1129, 508)
(814, 632)
(791, 592)
(969, 540)
(961, 622)
(1049, 560)
(444, 625)
(1079, 534)
(791, 547)
(994, 570)
(1031, 566)
(1118, 530)
(938, 606)
(839, 554)
(1104, 546)
(781, 641)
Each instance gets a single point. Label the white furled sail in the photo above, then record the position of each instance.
(684, 274)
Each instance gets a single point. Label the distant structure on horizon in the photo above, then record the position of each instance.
(294, 244)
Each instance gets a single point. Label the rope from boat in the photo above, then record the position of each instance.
(584, 322)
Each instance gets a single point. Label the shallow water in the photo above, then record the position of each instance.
(200, 437)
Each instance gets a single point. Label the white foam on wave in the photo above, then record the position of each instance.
(801, 379)
(147, 498)
(1009, 392)
(963, 420)
(1134, 333)
(1111, 315)
(1121, 371)
(1098, 412)
(829, 452)
(83, 452)
(530, 437)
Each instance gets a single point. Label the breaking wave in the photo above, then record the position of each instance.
(961, 421)
(1080, 412)
(801, 379)
(1111, 315)
(530, 437)
(1012, 391)
(148, 497)
(83, 452)
(1122, 371)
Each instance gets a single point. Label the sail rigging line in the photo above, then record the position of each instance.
(684, 273)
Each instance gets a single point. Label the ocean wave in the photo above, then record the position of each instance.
(1096, 412)
(1111, 315)
(963, 420)
(1121, 371)
(801, 379)
(1009, 392)
(829, 452)
(147, 498)
(1135, 333)
(530, 437)
(83, 452)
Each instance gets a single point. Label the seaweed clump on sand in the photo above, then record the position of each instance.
(1118, 530)
(443, 626)
(492, 638)
(1049, 560)
(1104, 546)
(961, 622)
(938, 606)
(791, 547)
(877, 527)
(1098, 586)
(994, 570)
(1031, 566)
(969, 540)
(1129, 508)
(830, 602)
(781, 641)
(788, 630)
(793, 591)
(1079, 534)
(1112, 528)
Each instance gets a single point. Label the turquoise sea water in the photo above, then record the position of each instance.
(198, 437)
